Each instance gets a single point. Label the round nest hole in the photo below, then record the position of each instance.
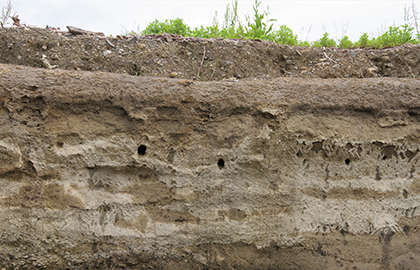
(142, 150)
(221, 163)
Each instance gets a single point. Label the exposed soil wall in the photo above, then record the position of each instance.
(100, 170)
(200, 59)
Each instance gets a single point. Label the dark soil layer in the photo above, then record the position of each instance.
(200, 59)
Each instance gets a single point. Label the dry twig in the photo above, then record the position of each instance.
(204, 55)
(214, 69)
(329, 58)
(16, 20)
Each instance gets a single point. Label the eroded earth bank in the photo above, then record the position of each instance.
(100, 170)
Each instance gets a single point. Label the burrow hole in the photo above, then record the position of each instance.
(142, 150)
(347, 161)
(221, 163)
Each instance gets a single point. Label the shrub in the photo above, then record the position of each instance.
(395, 36)
(205, 32)
(176, 26)
(325, 41)
(345, 43)
(257, 28)
(363, 41)
(304, 44)
(232, 27)
(284, 36)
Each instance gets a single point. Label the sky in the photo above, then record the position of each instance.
(308, 19)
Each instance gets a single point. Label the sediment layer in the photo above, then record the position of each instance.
(101, 170)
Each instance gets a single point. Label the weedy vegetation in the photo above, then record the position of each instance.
(260, 26)
(6, 14)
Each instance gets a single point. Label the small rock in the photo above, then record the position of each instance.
(44, 48)
(107, 52)
(141, 46)
(386, 58)
(109, 43)
(372, 72)
(173, 74)
(135, 38)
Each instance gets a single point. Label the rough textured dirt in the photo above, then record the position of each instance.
(103, 170)
(200, 59)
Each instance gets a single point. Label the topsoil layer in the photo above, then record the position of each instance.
(174, 56)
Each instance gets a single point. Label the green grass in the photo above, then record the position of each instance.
(260, 26)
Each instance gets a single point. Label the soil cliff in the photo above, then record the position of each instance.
(269, 167)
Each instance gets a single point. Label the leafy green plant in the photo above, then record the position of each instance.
(257, 28)
(325, 41)
(284, 36)
(345, 43)
(363, 41)
(304, 44)
(260, 26)
(176, 26)
(395, 36)
(232, 27)
(6, 14)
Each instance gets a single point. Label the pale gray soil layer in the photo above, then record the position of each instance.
(112, 171)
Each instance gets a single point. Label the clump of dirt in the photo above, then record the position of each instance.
(174, 56)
